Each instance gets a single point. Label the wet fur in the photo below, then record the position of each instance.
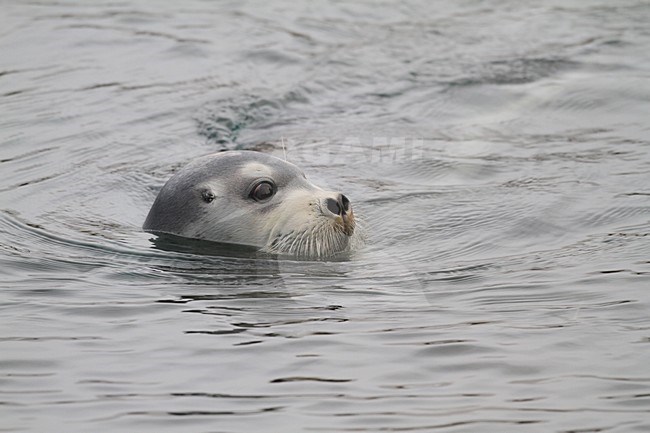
(292, 222)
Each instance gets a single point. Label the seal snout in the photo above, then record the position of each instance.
(340, 207)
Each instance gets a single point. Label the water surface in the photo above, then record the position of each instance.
(497, 152)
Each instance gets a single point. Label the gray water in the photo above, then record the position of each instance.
(497, 151)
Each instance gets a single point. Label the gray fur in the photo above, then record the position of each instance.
(232, 216)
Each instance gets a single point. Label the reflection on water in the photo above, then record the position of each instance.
(496, 153)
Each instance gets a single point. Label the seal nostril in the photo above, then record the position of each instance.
(345, 203)
(333, 206)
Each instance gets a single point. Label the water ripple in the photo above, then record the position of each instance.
(496, 155)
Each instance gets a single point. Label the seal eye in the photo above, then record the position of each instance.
(263, 191)
(207, 195)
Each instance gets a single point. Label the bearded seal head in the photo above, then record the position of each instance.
(255, 199)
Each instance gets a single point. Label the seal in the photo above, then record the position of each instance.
(252, 198)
